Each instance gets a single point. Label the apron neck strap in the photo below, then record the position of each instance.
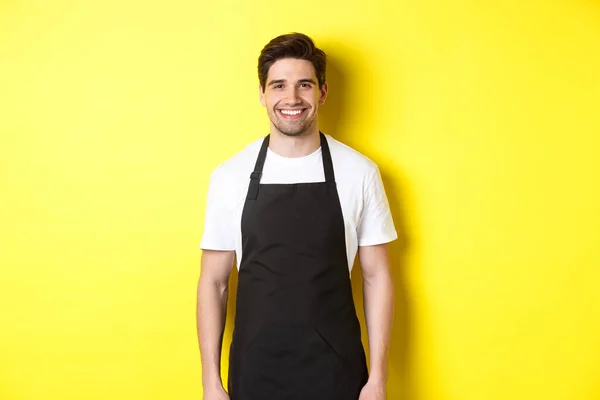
(327, 162)
(262, 155)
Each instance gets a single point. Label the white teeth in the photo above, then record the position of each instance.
(291, 112)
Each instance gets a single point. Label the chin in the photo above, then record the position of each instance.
(293, 132)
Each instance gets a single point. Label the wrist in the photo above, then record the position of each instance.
(378, 377)
(212, 382)
(377, 382)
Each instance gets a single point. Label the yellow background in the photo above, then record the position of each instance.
(483, 116)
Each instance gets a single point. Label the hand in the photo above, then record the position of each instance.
(373, 391)
(215, 394)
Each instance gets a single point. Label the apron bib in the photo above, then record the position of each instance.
(296, 332)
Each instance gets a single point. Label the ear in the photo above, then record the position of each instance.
(261, 94)
(324, 90)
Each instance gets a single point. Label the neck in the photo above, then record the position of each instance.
(295, 146)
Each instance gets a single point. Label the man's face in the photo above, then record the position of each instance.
(292, 96)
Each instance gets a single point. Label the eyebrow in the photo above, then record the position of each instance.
(279, 81)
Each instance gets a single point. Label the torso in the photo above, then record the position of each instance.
(353, 173)
(296, 335)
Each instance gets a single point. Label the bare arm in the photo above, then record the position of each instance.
(211, 312)
(379, 308)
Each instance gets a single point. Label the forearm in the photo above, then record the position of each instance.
(379, 311)
(211, 316)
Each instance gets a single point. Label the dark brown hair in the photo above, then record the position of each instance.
(293, 45)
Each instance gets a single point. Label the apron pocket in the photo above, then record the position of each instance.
(292, 362)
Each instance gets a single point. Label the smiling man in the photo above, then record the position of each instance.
(294, 208)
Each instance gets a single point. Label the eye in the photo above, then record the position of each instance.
(306, 85)
(277, 86)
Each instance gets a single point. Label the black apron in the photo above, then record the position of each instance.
(296, 333)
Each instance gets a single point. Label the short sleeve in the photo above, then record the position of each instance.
(376, 225)
(218, 222)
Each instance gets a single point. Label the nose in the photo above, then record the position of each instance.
(291, 97)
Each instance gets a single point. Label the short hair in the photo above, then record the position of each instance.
(292, 45)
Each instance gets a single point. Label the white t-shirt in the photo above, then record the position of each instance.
(365, 207)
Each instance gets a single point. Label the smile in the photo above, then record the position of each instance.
(291, 113)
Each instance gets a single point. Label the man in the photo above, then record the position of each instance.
(295, 207)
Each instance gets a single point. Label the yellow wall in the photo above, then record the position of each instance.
(483, 116)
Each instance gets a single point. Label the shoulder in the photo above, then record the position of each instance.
(345, 158)
(238, 166)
